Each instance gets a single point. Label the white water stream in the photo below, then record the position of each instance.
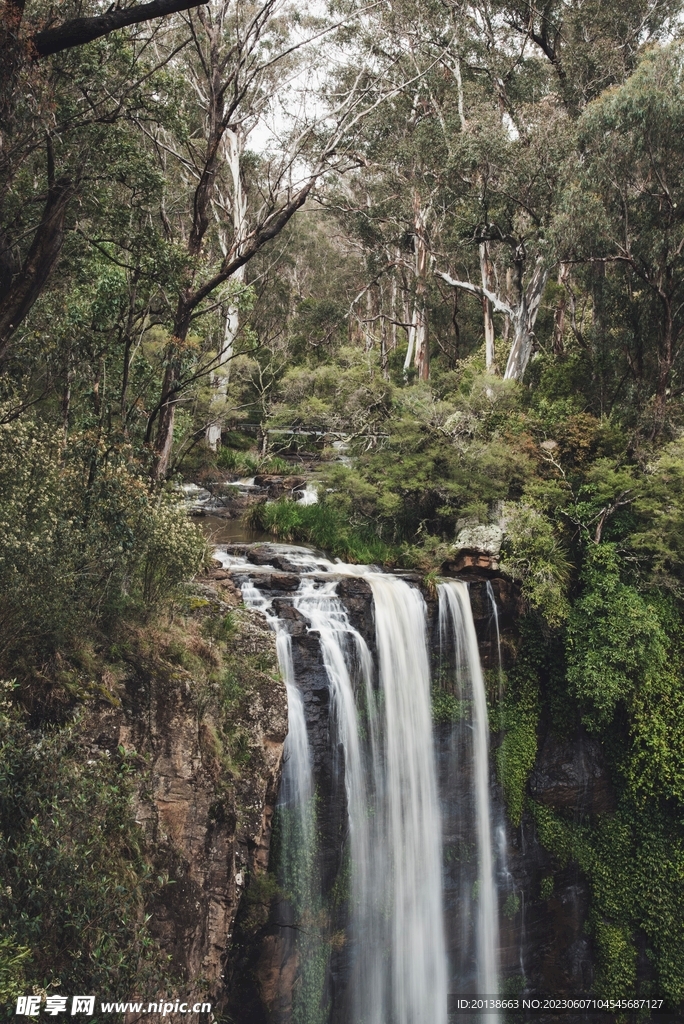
(413, 831)
(381, 722)
(456, 615)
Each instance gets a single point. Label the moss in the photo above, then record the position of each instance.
(446, 708)
(617, 960)
(260, 892)
(634, 862)
(511, 905)
(519, 716)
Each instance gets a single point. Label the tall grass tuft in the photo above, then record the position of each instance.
(324, 526)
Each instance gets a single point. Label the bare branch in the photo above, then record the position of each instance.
(482, 293)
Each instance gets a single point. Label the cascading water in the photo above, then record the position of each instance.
(506, 884)
(295, 813)
(412, 825)
(399, 972)
(383, 760)
(495, 617)
(456, 621)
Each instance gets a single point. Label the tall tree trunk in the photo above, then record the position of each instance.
(489, 284)
(233, 144)
(559, 317)
(524, 319)
(170, 393)
(21, 292)
(410, 319)
(167, 414)
(422, 357)
(393, 304)
(522, 312)
(384, 366)
(665, 360)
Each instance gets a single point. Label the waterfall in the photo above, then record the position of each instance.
(346, 655)
(381, 767)
(309, 495)
(412, 831)
(296, 818)
(495, 616)
(399, 971)
(296, 787)
(455, 614)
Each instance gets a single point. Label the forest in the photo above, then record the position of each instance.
(442, 237)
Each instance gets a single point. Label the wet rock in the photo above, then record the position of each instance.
(572, 773)
(284, 581)
(295, 623)
(259, 554)
(357, 596)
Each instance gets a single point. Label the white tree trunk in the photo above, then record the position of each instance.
(393, 301)
(522, 314)
(489, 284)
(411, 340)
(422, 357)
(233, 148)
(524, 319)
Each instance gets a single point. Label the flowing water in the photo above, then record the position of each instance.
(382, 749)
(495, 618)
(456, 622)
(412, 831)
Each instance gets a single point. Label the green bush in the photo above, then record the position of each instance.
(74, 879)
(518, 716)
(82, 538)
(324, 525)
(615, 641)
(534, 555)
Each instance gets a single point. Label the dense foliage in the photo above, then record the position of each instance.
(74, 875)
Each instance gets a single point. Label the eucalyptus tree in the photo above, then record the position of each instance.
(29, 104)
(513, 184)
(240, 58)
(623, 212)
(392, 206)
(590, 45)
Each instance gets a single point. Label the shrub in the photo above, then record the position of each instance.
(533, 554)
(82, 539)
(74, 877)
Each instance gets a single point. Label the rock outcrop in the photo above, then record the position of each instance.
(208, 760)
(477, 549)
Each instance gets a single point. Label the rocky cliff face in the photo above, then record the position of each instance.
(207, 747)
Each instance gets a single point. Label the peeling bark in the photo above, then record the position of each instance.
(522, 314)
